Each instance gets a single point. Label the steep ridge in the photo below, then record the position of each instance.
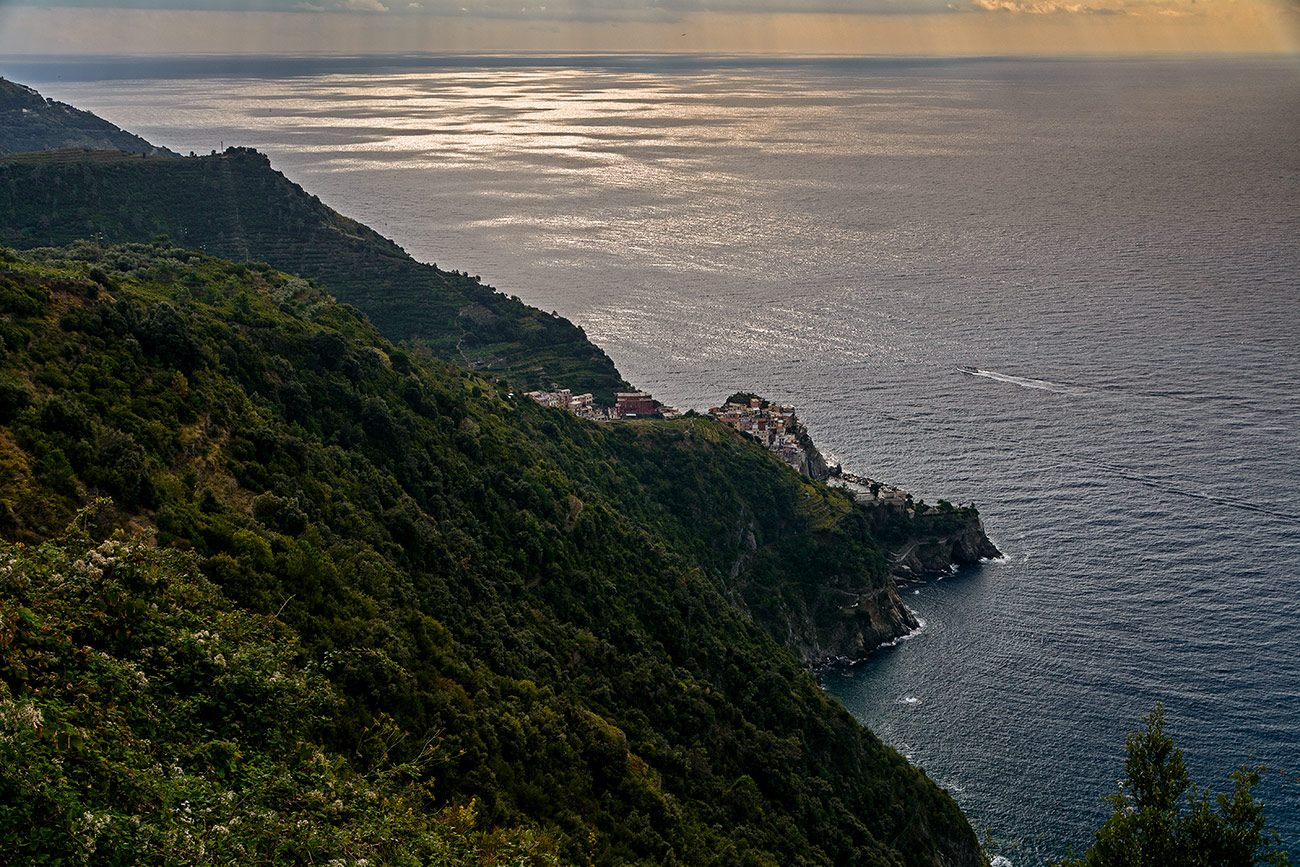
(580, 616)
(236, 206)
(30, 122)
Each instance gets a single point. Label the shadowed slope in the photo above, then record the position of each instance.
(544, 597)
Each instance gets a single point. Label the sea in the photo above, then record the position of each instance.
(1064, 289)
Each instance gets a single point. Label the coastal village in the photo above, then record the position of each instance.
(777, 427)
(774, 425)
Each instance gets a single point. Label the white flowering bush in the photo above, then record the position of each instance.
(145, 720)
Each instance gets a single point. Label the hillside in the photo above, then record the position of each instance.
(236, 206)
(577, 618)
(30, 122)
(179, 679)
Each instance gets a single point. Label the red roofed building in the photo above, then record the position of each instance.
(634, 403)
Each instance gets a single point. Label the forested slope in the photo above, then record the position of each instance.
(236, 206)
(563, 609)
(145, 720)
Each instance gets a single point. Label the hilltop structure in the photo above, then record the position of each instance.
(580, 405)
(627, 404)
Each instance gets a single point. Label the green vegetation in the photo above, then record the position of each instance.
(236, 206)
(145, 720)
(469, 595)
(29, 122)
(1162, 820)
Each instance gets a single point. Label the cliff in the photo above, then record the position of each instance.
(813, 464)
(845, 620)
(862, 543)
(823, 592)
(843, 614)
(940, 544)
(847, 624)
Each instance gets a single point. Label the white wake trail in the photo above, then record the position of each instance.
(1027, 382)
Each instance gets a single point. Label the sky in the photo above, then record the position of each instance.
(853, 27)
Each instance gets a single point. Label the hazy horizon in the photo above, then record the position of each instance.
(1063, 290)
(832, 27)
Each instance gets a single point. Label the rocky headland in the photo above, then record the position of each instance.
(936, 552)
(844, 623)
(882, 539)
(844, 616)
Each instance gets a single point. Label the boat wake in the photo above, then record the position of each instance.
(1026, 382)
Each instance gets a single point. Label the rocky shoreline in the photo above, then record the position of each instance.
(926, 557)
(842, 620)
(842, 623)
(878, 617)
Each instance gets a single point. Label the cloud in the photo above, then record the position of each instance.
(268, 27)
(556, 10)
(1044, 7)
(1149, 9)
(619, 12)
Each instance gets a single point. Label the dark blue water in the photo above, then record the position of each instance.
(1111, 245)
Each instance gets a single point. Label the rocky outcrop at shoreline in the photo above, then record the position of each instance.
(864, 622)
(843, 613)
(871, 618)
(926, 555)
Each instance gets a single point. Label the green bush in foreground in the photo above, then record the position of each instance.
(145, 720)
(1162, 819)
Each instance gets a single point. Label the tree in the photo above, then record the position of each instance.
(1162, 819)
